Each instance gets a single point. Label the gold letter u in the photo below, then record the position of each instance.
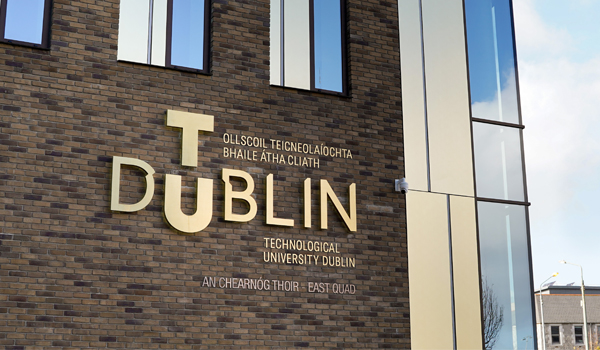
(175, 217)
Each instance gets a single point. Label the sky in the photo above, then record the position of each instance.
(558, 50)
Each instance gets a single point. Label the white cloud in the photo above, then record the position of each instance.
(562, 116)
(534, 36)
(561, 111)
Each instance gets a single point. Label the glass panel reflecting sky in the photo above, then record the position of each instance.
(187, 39)
(498, 164)
(505, 272)
(491, 60)
(328, 45)
(24, 20)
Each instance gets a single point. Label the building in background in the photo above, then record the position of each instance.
(183, 174)
(563, 317)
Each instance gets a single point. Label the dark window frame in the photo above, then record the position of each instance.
(552, 335)
(344, 25)
(45, 27)
(206, 44)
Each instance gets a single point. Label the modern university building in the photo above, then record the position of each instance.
(226, 174)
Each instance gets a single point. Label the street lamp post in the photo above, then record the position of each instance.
(526, 341)
(585, 330)
(542, 312)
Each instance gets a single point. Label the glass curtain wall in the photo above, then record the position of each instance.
(500, 180)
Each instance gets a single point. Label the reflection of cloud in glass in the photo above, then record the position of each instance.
(498, 164)
(503, 106)
(491, 60)
(505, 267)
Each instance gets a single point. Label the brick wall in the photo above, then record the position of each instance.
(75, 275)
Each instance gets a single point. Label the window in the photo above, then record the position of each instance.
(492, 63)
(504, 258)
(555, 334)
(498, 162)
(578, 331)
(308, 45)
(25, 22)
(166, 33)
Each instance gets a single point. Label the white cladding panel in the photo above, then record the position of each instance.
(275, 42)
(465, 264)
(413, 97)
(429, 271)
(448, 116)
(133, 31)
(296, 42)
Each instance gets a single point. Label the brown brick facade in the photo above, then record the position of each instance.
(75, 275)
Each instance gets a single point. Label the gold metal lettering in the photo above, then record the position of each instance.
(116, 184)
(307, 200)
(327, 191)
(175, 217)
(190, 123)
(271, 219)
(245, 195)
